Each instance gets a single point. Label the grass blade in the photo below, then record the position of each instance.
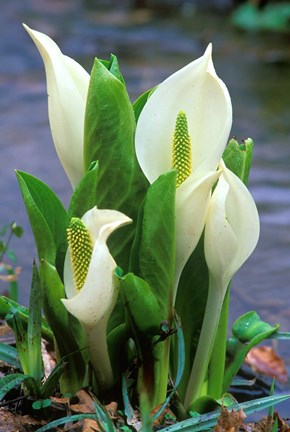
(9, 382)
(8, 354)
(206, 421)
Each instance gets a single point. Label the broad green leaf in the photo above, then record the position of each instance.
(117, 341)
(109, 139)
(139, 103)
(190, 306)
(84, 195)
(8, 354)
(141, 305)
(34, 327)
(7, 306)
(153, 251)
(113, 66)
(238, 158)
(47, 218)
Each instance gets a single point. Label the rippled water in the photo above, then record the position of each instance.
(256, 69)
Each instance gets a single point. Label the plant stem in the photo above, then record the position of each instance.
(161, 353)
(99, 355)
(205, 343)
(218, 356)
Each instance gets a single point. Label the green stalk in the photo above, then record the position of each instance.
(205, 343)
(218, 356)
(161, 353)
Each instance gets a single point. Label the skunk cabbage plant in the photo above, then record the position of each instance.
(160, 164)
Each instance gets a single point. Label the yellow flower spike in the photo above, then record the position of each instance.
(181, 149)
(81, 249)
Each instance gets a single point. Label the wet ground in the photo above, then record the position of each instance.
(255, 67)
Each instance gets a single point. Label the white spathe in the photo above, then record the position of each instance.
(93, 303)
(196, 90)
(96, 299)
(232, 228)
(67, 88)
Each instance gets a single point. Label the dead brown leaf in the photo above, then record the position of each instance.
(264, 360)
(12, 422)
(229, 421)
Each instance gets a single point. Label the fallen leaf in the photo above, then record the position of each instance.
(229, 421)
(264, 360)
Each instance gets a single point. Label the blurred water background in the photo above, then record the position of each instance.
(151, 44)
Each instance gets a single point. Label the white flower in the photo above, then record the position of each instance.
(90, 283)
(232, 228)
(67, 87)
(197, 96)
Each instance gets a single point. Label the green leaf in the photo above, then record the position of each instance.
(238, 158)
(8, 354)
(8, 382)
(20, 331)
(47, 218)
(113, 66)
(109, 139)
(84, 195)
(142, 307)
(52, 381)
(68, 419)
(153, 251)
(103, 418)
(250, 325)
(65, 333)
(207, 421)
(139, 104)
(190, 306)
(180, 367)
(7, 306)
(34, 327)
(254, 332)
(40, 404)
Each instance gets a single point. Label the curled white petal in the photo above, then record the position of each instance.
(67, 87)
(197, 90)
